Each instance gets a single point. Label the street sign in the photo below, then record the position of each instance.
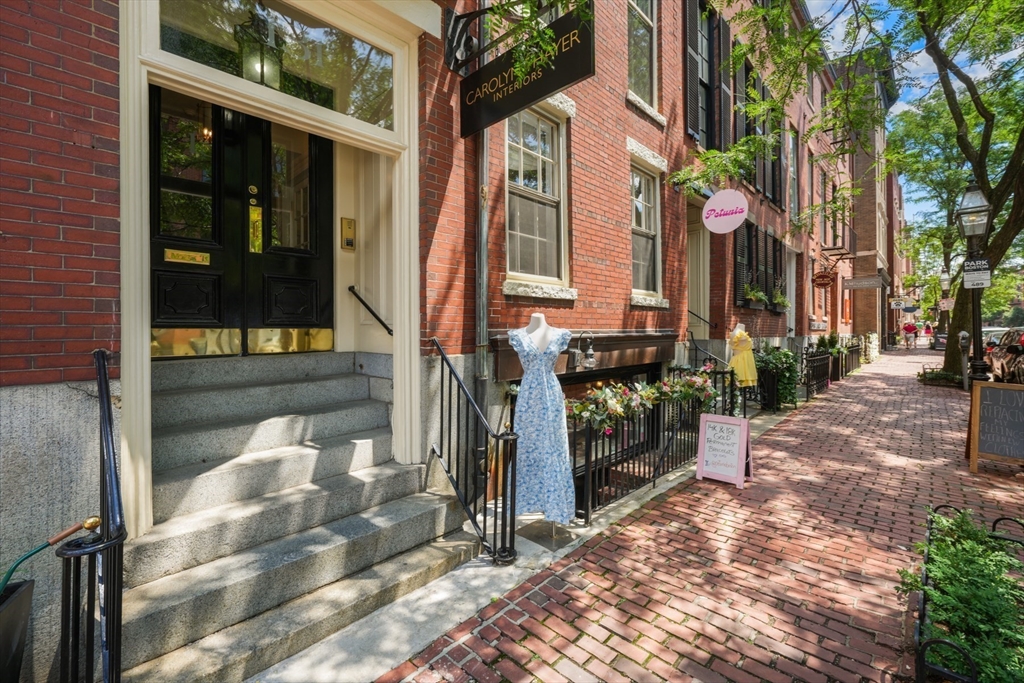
(872, 282)
(946, 304)
(895, 304)
(977, 274)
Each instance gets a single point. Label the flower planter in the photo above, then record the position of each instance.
(937, 651)
(836, 372)
(15, 609)
(756, 305)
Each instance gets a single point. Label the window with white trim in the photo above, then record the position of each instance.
(644, 209)
(641, 49)
(534, 225)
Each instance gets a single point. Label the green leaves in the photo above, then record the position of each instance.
(975, 598)
(524, 24)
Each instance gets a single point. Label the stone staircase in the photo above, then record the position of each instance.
(280, 515)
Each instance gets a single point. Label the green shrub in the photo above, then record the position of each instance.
(784, 363)
(975, 599)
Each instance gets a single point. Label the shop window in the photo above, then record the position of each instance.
(641, 49)
(644, 208)
(535, 233)
(283, 48)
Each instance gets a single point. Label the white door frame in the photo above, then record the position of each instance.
(142, 64)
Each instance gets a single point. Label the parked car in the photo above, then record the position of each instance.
(1006, 357)
(992, 335)
(938, 341)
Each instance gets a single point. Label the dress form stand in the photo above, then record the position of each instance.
(539, 331)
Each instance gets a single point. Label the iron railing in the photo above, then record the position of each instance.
(479, 462)
(724, 382)
(368, 307)
(609, 465)
(853, 358)
(816, 371)
(923, 668)
(104, 581)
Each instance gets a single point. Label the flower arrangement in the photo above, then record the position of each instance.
(603, 408)
(780, 300)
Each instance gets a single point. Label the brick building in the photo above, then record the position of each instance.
(203, 188)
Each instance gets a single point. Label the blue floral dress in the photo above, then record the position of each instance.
(543, 476)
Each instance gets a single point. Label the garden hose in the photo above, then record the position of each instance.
(88, 524)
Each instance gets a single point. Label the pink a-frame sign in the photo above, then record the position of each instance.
(723, 449)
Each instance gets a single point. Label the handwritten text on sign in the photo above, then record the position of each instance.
(1001, 422)
(723, 449)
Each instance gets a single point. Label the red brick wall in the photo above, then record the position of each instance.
(59, 229)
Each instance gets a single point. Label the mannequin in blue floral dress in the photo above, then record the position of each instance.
(543, 475)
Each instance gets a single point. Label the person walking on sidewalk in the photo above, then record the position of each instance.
(909, 333)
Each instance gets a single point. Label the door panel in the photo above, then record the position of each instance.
(242, 245)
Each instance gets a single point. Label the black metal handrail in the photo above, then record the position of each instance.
(479, 462)
(368, 307)
(105, 581)
(713, 326)
(707, 354)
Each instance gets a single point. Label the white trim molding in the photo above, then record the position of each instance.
(639, 103)
(648, 301)
(538, 290)
(562, 103)
(645, 156)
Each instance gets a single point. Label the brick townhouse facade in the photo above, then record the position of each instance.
(199, 187)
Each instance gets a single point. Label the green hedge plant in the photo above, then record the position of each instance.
(975, 596)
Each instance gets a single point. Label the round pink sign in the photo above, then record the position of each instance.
(725, 211)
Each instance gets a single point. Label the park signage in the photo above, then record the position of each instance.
(725, 211)
(492, 93)
(977, 273)
(996, 430)
(824, 279)
(723, 449)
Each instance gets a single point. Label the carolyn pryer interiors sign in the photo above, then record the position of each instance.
(492, 93)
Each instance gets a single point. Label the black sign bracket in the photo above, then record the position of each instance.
(461, 47)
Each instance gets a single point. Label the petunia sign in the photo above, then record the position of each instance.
(725, 211)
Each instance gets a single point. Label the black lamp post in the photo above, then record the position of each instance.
(973, 219)
(944, 286)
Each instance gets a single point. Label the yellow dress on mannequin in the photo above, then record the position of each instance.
(742, 361)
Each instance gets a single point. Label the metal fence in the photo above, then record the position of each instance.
(817, 366)
(853, 358)
(631, 453)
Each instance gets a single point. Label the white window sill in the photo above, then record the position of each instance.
(638, 102)
(538, 290)
(648, 301)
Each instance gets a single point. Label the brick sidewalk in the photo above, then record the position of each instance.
(790, 579)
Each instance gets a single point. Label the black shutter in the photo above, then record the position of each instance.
(759, 170)
(783, 150)
(762, 260)
(741, 262)
(724, 81)
(770, 267)
(692, 69)
(740, 86)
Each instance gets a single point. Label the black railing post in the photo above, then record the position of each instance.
(588, 473)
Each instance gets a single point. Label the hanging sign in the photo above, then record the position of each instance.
(824, 279)
(723, 449)
(725, 211)
(492, 93)
(870, 282)
(946, 304)
(896, 304)
(977, 274)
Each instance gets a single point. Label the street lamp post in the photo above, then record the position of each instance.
(944, 286)
(973, 219)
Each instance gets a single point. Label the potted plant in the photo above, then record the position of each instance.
(756, 298)
(780, 300)
(16, 605)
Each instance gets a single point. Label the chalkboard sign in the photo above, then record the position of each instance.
(997, 423)
(723, 449)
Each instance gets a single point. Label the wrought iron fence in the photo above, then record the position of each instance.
(725, 384)
(103, 579)
(816, 371)
(480, 464)
(852, 358)
(633, 452)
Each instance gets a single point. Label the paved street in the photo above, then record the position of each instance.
(790, 579)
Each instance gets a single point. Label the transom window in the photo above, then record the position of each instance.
(641, 49)
(645, 230)
(284, 49)
(534, 213)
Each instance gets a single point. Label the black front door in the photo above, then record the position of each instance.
(242, 210)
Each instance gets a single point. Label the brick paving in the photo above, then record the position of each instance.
(789, 580)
